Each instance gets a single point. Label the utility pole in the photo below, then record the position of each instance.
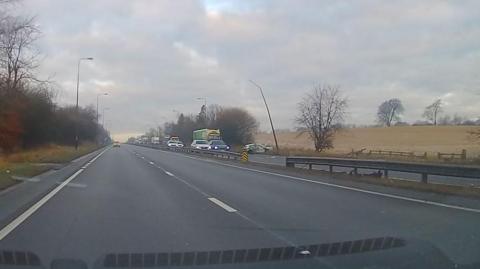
(268, 112)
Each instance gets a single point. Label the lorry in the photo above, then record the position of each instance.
(155, 140)
(207, 134)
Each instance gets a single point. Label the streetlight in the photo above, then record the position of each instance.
(103, 116)
(98, 95)
(76, 106)
(268, 112)
(204, 100)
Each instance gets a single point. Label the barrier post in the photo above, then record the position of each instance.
(244, 156)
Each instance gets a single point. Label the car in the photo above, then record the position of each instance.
(217, 145)
(254, 148)
(116, 144)
(200, 144)
(172, 143)
(175, 143)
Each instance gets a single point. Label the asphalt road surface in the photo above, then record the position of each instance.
(135, 199)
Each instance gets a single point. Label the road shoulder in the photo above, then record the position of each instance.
(14, 200)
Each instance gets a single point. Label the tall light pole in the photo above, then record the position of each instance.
(204, 100)
(98, 95)
(76, 106)
(103, 116)
(268, 112)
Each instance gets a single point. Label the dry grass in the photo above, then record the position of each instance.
(49, 154)
(23, 163)
(420, 139)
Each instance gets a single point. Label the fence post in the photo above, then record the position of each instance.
(330, 168)
(309, 166)
(464, 154)
(385, 173)
(355, 171)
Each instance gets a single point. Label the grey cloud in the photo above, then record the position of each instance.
(156, 56)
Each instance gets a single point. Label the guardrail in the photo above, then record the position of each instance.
(385, 166)
(212, 153)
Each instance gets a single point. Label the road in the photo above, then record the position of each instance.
(135, 199)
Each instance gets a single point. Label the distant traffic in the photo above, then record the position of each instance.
(208, 139)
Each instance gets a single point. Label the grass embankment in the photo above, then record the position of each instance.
(29, 163)
(418, 139)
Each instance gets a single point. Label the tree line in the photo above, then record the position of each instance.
(29, 116)
(321, 114)
(237, 125)
(390, 112)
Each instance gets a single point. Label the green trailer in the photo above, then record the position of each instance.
(206, 134)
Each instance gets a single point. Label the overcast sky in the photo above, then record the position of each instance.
(154, 57)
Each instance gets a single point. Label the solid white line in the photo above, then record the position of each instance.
(75, 185)
(14, 224)
(17, 221)
(222, 205)
(170, 174)
(393, 196)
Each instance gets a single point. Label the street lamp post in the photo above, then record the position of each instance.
(103, 116)
(204, 100)
(98, 95)
(76, 106)
(268, 112)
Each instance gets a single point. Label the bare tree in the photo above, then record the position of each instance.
(431, 112)
(390, 111)
(321, 112)
(18, 56)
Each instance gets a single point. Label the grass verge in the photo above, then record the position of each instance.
(351, 180)
(286, 151)
(30, 163)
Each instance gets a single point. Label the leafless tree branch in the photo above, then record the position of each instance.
(320, 114)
